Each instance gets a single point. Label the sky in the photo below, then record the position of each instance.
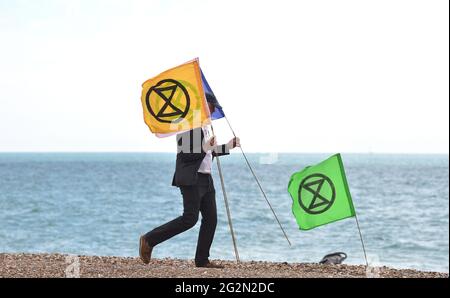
(292, 76)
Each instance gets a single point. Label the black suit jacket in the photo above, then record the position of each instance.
(190, 155)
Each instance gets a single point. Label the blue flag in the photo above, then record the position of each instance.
(211, 98)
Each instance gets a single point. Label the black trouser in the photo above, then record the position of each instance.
(200, 197)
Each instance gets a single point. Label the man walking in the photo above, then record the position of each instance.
(196, 150)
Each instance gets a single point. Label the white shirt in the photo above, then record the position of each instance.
(205, 166)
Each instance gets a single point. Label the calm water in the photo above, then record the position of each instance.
(99, 204)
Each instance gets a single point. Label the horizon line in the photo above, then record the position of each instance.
(248, 152)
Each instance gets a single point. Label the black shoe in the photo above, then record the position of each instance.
(210, 265)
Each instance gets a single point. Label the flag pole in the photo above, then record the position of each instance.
(362, 241)
(227, 207)
(259, 185)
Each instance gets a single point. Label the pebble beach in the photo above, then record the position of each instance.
(61, 266)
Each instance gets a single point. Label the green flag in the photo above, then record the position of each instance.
(320, 194)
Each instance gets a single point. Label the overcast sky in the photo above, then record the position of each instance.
(292, 76)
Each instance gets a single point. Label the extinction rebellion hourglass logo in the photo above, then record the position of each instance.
(316, 194)
(174, 98)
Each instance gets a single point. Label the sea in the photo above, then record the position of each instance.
(100, 203)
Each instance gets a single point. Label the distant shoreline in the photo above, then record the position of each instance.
(60, 266)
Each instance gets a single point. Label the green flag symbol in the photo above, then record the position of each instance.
(320, 194)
